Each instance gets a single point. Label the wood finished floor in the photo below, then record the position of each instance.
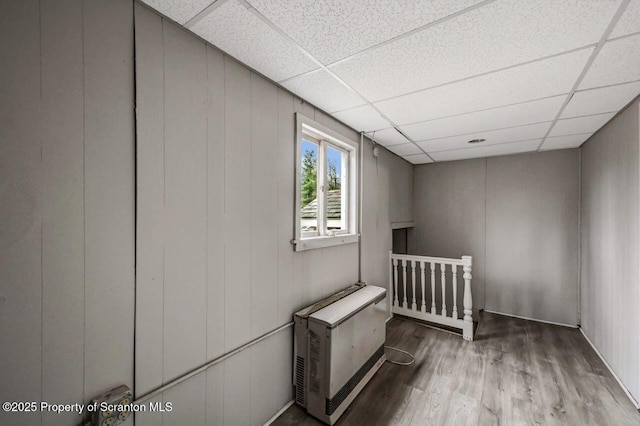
(515, 372)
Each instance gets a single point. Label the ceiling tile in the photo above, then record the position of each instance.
(487, 151)
(324, 91)
(405, 149)
(540, 79)
(179, 10)
(500, 34)
(237, 31)
(574, 126)
(388, 137)
(418, 159)
(497, 118)
(514, 134)
(606, 99)
(363, 118)
(334, 29)
(629, 22)
(563, 142)
(617, 62)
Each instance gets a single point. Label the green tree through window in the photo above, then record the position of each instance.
(309, 177)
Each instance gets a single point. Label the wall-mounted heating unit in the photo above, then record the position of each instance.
(339, 346)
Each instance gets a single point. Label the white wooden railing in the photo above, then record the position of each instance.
(404, 290)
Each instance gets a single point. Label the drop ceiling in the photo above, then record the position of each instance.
(422, 78)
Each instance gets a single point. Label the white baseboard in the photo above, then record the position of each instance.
(532, 319)
(282, 410)
(624, 388)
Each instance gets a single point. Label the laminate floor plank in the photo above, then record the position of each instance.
(515, 372)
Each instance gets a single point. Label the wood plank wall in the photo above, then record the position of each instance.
(66, 202)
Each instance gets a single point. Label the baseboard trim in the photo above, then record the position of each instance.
(624, 388)
(279, 413)
(532, 319)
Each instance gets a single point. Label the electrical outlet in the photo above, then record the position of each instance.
(111, 405)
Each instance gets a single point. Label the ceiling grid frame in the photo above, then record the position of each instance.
(615, 13)
(326, 69)
(603, 40)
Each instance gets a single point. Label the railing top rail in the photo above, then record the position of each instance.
(427, 259)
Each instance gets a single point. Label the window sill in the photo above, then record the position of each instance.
(329, 241)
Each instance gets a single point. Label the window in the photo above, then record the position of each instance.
(326, 166)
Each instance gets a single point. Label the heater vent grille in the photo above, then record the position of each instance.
(341, 395)
(300, 380)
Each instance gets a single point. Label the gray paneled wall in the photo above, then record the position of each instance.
(215, 218)
(449, 203)
(387, 198)
(66, 202)
(610, 281)
(518, 217)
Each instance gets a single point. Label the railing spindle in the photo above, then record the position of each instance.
(433, 288)
(454, 311)
(413, 284)
(404, 282)
(395, 282)
(423, 306)
(443, 268)
(415, 306)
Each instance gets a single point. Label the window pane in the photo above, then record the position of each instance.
(336, 193)
(308, 187)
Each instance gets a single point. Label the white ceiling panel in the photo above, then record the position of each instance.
(237, 31)
(179, 10)
(388, 137)
(501, 34)
(497, 118)
(605, 99)
(563, 142)
(629, 22)
(574, 126)
(617, 62)
(418, 159)
(324, 91)
(487, 151)
(334, 29)
(514, 134)
(537, 80)
(405, 149)
(363, 118)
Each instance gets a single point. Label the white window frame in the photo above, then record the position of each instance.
(313, 131)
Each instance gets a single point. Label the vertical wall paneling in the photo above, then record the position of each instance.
(215, 395)
(237, 389)
(185, 122)
(215, 213)
(188, 403)
(271, 386)
(20, 207)
(109, 194)
(148, 417)
(237, 202)
(215, 204)
(264, 206)
(62, 205)
(150, 205)
(369, 217)
(517, 216)
(532, 235)
(449, 203)
(287, 286)
(610, 253)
